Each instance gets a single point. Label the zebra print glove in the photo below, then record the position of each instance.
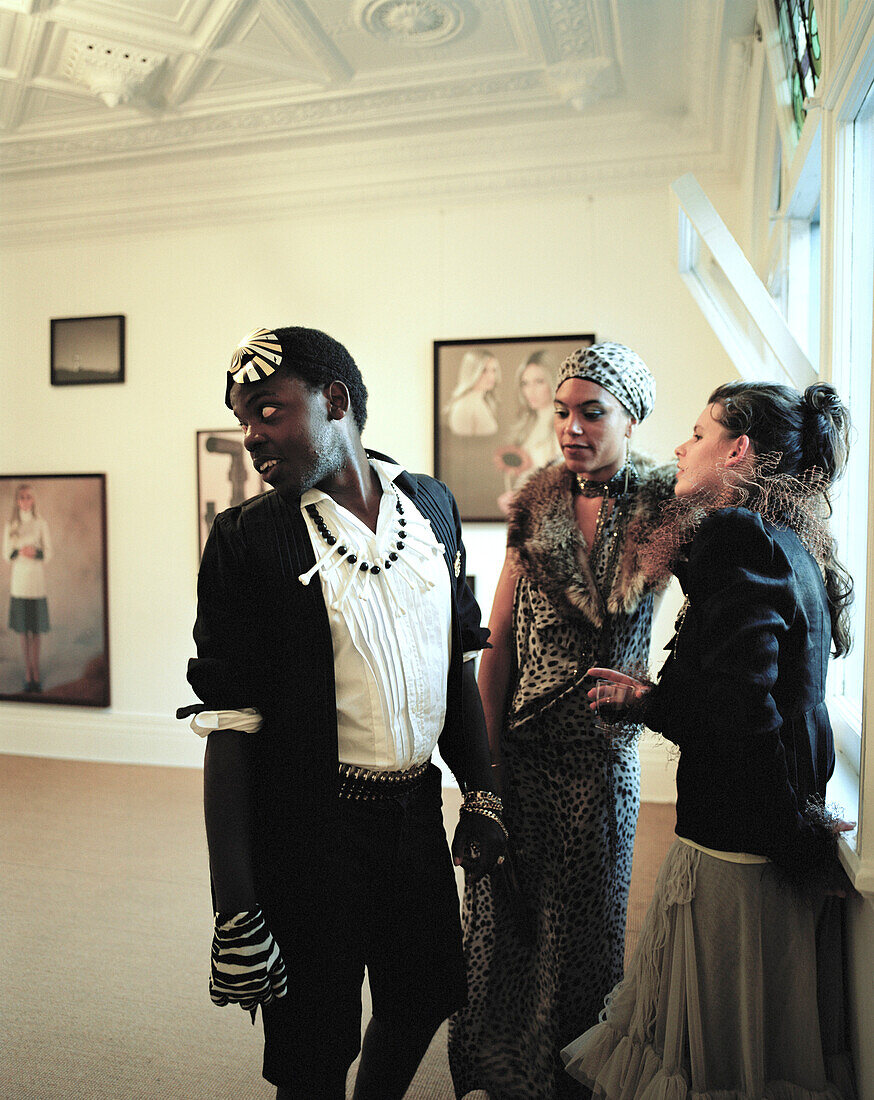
(247, 968)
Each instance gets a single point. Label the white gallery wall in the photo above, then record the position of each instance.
(385, 281)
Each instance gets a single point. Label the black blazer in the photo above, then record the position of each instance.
(263, 640)
(742, 693)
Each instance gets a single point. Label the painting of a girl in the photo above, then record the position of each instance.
(27, 545)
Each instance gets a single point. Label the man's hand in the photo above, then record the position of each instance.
(479, 843)
(247, 967)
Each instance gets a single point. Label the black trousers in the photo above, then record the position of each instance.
(400, 921)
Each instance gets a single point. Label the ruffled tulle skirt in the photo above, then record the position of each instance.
(734, 993)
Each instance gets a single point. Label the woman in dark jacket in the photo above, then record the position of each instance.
(721, 995)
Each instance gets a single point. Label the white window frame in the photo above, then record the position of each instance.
(851, 75)
(700, 223)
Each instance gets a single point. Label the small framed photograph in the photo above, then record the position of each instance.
(54, 636)
(225, 476)
(86, 350)
(493, 416)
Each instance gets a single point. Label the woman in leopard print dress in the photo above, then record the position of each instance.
(545, 934)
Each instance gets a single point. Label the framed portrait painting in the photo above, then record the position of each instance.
(87, 350)
(225, 476)
(54, 638)
(493, 415)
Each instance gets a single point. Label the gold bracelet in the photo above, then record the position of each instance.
(487, 799)
(487, 813)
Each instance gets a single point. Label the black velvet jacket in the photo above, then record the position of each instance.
(263, 640)
(742, 693)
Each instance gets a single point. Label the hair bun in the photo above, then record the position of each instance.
(826, 431)
(822, 399)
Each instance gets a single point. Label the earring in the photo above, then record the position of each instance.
(625, 487)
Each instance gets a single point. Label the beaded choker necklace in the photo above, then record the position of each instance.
(349, 556)
(615, 486)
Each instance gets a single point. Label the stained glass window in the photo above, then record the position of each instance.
(802, 52)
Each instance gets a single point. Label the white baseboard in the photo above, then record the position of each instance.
(83, 734)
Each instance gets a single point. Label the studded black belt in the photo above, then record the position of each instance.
(363, 784)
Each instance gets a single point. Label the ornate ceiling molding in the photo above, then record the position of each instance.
(279, 123)
(500, 97)
(580, 83)
(569, 29)
(498, 165)
(412, 22)
(112, 71)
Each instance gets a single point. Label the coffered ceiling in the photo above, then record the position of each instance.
(387, 94)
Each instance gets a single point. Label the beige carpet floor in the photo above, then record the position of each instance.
(105, 927)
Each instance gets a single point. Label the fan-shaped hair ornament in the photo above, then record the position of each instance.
(256, 356)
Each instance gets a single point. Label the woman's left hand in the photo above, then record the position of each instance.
(614, 689)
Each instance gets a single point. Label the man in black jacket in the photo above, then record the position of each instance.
(332, 628)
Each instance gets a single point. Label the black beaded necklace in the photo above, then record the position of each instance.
(349, 556)
(615, 486)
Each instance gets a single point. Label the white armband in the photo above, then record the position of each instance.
(247, 720)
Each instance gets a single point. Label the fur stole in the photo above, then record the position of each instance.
(553, 554)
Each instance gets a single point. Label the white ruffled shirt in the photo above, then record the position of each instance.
(391, 632)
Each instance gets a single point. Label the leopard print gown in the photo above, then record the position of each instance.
(540, 962)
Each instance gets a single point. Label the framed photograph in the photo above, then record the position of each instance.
(54, 637)
(493, 424)
(87, 350)
(225, 476)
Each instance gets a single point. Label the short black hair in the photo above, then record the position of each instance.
(319, 359)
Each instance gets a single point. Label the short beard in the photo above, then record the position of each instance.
(326, 464)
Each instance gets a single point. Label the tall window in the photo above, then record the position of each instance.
(795, 277)
(852, 373)
(802, 52)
